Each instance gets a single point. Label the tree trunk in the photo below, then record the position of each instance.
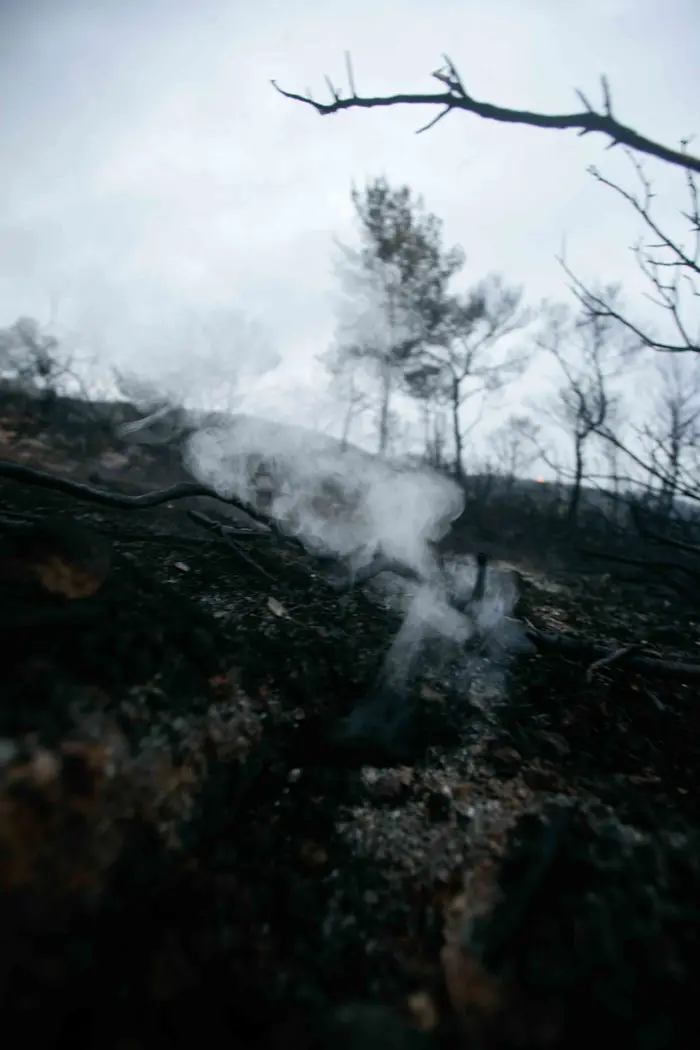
(575, 495)
(347, 426)
(457, 431)
(669, 485)
(385, 398)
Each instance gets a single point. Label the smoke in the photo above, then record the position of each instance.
(470, 649)
(341, 502)
(363, 317)
(352, 505)
(345, 503)
(198, 362)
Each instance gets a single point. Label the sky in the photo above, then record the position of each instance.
(153, 183)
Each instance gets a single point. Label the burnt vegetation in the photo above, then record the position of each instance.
(246, 795)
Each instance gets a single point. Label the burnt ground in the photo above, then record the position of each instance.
(184, 856)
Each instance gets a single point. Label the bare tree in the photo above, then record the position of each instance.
(356, 402)
(455, 97)
(672, 435)
(590, 354)
(356, 407)
(434, 434)
(513, 447)
(35, 365)
(462, 358)
(29, 356)
(662, 452)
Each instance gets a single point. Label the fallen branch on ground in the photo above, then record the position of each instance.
(225, 531)
(227, 534)
(616, 656)
(183, 490)
(585, 647)
(107, 498)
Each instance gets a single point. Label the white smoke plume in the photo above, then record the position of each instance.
(345, 502)
(355, 506)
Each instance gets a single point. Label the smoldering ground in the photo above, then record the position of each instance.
(383, 525)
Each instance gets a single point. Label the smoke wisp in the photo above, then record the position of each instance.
(349, 504)
(344, 503)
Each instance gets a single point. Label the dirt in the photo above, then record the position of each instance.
(184, 855)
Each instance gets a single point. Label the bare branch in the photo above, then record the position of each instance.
(334, 91)
(457, 97)
(27, 475)
(648, 468)
(106, 498)
(597, 306)
(643, 208)
(434, 121)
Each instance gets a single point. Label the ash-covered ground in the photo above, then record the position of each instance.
(188, 850)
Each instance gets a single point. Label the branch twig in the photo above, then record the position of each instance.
(228, 534)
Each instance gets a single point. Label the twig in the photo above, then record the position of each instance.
(227, 534)
(598, 307)
(643, 210)
(244, 556)
(580, 646)
(613, 657)
(226, 531)
(456, 97)
(349, 73)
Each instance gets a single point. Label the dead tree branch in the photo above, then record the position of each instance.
(106, 498)
(456, 97)
(616, 656)
(670, 267)
(585, 647)
(30, 476)
(642, 205)
(227, 535)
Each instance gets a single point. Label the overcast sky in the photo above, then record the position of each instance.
(151, 175)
